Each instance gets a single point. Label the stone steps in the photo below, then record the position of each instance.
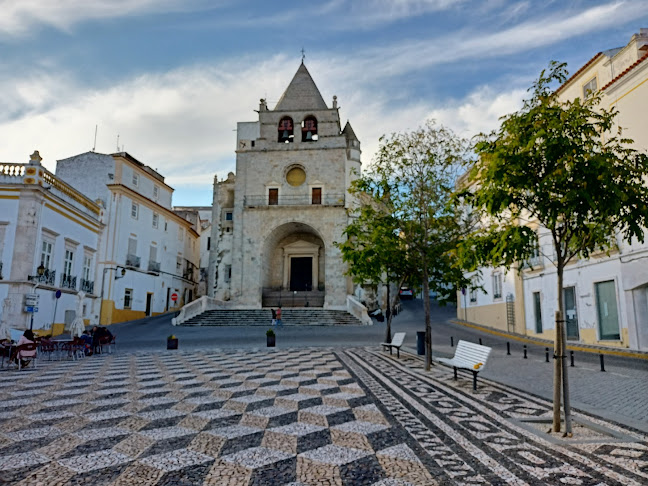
(263, 317)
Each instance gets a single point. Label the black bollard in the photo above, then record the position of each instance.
(602, 362)
(508, 348)
(525, 352)
(480, 343)
(547, 355)
(571, 359)
(451, 342)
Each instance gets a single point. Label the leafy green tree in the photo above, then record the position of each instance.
(560, 164)
(410, 182)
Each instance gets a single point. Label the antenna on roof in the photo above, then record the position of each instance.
(95, 139)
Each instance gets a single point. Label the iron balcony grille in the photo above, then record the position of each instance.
(48, 277)
(68, 282)
(87, 286)
(153, 266)
(132, 261)
(301, 200)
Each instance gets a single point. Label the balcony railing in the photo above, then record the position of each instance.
(68, 282)
(301, 200)
(153, 266)
(535, 262)
(133, 261)
(87, 286)
(48, 277)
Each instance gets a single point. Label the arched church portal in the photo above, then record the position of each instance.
(294, 262)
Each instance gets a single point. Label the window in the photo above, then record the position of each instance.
(208, 243)
(589, 87)
(316, 195)
(156, 220)
(606, 307)
(87, 265)
(497, 286)
(296, 176)
(273, 197)
(134, 211)
(180, 233)
(46, 254)
(132, 245)
(156, 192)
(285, 130)
(309, 129)
(537, 310)
(128, 298)
(228, 273)
(229, 216)
(67, 263)
(473, 295)
(135, 179)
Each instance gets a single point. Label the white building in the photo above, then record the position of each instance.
(149, 254)
(276, 220)
(46, 223)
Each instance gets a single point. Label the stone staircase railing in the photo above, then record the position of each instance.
(197, 307)
(355, 308)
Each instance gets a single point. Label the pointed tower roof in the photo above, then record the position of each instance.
(301, 93)
(349, 133)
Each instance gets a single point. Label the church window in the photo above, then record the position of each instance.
(296, 176)
(316, 195)
(286, 130)
(273, 197)
(309, 129)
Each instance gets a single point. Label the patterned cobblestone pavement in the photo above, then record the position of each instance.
(292, 417)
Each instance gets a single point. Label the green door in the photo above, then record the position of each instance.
(608, 314)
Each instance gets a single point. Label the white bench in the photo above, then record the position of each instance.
(396, 342)
(468, 356)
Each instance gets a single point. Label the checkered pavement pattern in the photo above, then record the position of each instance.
(255, 418)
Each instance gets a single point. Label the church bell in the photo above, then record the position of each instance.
(309, 135)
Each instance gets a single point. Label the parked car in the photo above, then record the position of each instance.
(406, 293)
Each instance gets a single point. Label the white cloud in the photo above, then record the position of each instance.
(18, 17)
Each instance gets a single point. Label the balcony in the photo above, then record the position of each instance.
(153, 266)
(133, 260)
(68, 282)
(87, 286)
(534, 263)
(301, 200)
(48, 277)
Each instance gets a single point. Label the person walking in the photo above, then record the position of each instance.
(274, 317)
(278, 317)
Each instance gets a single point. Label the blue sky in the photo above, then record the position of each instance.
(171, 78)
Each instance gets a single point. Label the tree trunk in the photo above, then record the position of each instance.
(558, 348)
(388, 316)
(565, 381)
(428, 327)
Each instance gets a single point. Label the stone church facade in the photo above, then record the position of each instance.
(275, 221)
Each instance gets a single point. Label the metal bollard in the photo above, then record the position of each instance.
(602, 362)
(480, 342)
(571, 359)
(451, 342)
(508, 348)
(525, 352)
(546, 355)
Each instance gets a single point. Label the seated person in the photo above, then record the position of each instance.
(86, 339)
(26, 338)
(100, 335)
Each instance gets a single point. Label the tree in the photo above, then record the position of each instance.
(557, 163)
(410, 181)
(373, 248)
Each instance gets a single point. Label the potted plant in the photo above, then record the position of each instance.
(172, 342)
(270, 338)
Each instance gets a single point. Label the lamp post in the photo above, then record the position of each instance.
(103, 278)
(40, 271)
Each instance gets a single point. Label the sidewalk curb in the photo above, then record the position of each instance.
(586, 348)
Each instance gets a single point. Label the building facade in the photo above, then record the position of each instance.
(275, 221)
(50, 235)
(606, 296)
(149, 256)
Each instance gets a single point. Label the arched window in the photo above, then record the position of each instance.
(286, 130)
(309, 129)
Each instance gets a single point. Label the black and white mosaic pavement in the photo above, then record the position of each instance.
(291, 417)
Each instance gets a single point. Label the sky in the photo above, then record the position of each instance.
(167, 80)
